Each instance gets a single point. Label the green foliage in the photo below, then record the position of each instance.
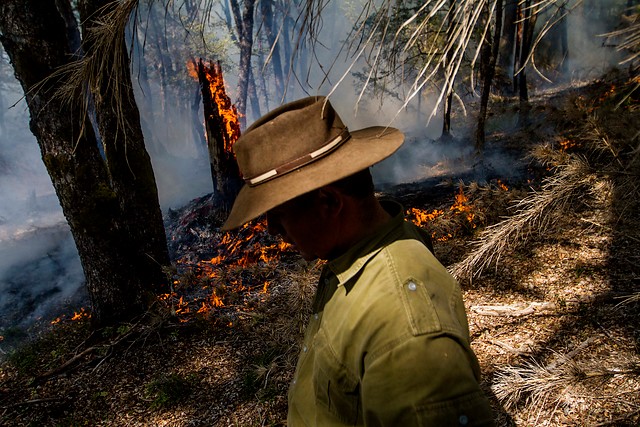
(25, 359)
(30, 356)
(169, 390)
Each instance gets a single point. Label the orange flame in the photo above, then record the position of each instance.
(566, 144)
(421, 218)
(79, 315)
(461, 206)
(241, 248)
(228, 112)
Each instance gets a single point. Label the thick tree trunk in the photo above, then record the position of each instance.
(128, 162)
(120, 238)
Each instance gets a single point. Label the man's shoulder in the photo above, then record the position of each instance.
(411, 256)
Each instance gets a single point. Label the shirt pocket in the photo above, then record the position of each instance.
(337, 390)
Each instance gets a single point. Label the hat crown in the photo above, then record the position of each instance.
(287, 134)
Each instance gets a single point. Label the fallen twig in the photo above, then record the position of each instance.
(33, 402)
(514, 311)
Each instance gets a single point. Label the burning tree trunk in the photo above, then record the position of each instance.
(223, 129)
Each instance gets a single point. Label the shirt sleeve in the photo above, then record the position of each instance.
(427, 380)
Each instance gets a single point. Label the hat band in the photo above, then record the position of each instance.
(301, 161)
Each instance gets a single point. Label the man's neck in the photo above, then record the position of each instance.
(361, 219)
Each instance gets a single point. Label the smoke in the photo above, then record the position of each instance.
(174, 139)
(39, 266)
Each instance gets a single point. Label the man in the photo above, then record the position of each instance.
(388, 339)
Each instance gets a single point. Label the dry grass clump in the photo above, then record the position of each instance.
(567, 384)
(598, 160)
(538, 211)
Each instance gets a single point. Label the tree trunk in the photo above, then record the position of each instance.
(109, 205)
(223, 130)
(517, 49)
(253, 95)
(244, 27)
(508, 39)
(287, 34)
(564, 41)
(488, 73)
(446, 122)
(529, 23)
(274, 46)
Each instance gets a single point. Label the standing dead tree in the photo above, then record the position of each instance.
(223, 129)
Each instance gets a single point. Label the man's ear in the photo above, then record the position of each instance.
(331, 199)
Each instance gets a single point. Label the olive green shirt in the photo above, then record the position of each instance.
(388, 340)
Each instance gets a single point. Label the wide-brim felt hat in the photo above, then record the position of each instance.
(299, 147)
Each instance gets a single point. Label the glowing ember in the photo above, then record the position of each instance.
(81, 314)
(502, 186)
(610, 92)
(223, 277)
(77, 315)
(566, 144)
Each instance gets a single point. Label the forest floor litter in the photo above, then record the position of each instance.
(555, 321)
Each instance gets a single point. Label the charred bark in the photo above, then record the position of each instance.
(225, 173)
(108, 204)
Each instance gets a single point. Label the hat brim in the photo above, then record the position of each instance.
(365, 148)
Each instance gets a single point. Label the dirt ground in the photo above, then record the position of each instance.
(554, 322)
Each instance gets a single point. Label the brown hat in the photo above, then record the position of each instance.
(297, 148)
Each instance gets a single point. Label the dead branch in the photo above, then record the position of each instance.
(514, 311)
(34, 402)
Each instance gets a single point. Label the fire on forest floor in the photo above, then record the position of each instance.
(552, 324)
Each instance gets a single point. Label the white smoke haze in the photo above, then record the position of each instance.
(39, 265)
(35, 242)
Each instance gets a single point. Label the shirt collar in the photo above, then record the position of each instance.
(347, 265)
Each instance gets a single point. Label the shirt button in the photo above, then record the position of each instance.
(463, 420)
(315, 316)
(326, 281)
(304, 349)
(412, 286)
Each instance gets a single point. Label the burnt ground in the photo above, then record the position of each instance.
(554, 321)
